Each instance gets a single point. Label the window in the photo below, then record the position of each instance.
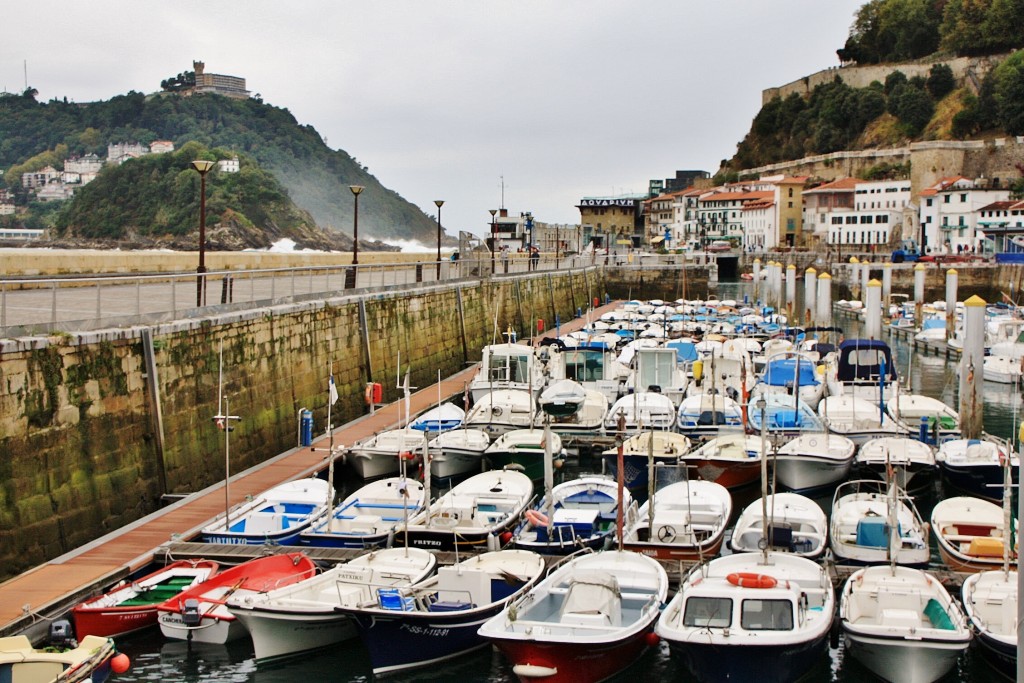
(928, 202)
(791, 193)
(708, 613)
(766, 615)
(865, 220)
(963, 199)
(945, 199)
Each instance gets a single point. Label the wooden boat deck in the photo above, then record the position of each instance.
(60, 583)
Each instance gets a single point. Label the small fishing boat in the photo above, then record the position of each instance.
(523, 449)
(585, 426)
(581, 514)
(990, 601)
(508, 366)
(975, 466)
(784, 415)
(131, 605)
(971, 534)
(87, 661)
(911, 461)
(563, 398)
(813, 460)
(706, 415)
(641, 410)
(200, 614)
(472, 514)
(439, 419)
(368, 516)
(863, 513)
(784, 376)
(500, 411)
(858, 419)
(732, 460)
(796, 524)
(1002, 370)
(439, 619)
(685, 520)
(751, 617)
(278, 515)
(925, 418)
(378, 455)
(589, 619)
(457, 452)
(305, 615)
(902, 624)
(663, 447)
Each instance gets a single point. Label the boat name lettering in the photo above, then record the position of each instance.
(426, 630)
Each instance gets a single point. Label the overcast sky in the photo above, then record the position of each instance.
(564, 99)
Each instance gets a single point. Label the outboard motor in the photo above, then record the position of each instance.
(190, 615)
(61, 635)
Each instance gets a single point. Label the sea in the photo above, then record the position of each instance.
(157, 659)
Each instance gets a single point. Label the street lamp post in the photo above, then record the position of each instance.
(356, 189)
(202, 166)
(438, 203)
(493, 236)
(558, 243)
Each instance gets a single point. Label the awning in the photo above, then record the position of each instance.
(624, 242)
(659, 238)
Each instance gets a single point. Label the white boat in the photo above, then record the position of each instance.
(796, 524)
(688, 519)
(704, 415)
(859, 529)
(751, 617)
(975, 466)
(585, 426)
(857, 419)
(507, 367)
(912, 462)
(523, 450)
(732, 460)
(439, 419)
(473, 513)
(658, 367)
(641, 410)
(378, 455)
(971, 534)
(562, 398)
(500, 411)
(369, 515)
(279, 515)
(304, 616)
(89, 660)
(813, 460)
(902, 624)
(589, 619)
(863, 368)
(1002, 370)
(913, 412)
(593, 364)
(664, 448)
(456, 452)
(783, 376)
(990, 601)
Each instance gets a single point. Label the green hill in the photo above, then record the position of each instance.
(314, 177)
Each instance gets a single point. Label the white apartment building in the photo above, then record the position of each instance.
(90, 163)
(40, 178)
(161, 147)
(950, 211)
(119, 152)
(228, 165)
(861, 214)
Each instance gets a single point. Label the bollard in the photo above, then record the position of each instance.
(811, 293)
(919, 271)
(950, 303)
(757, 278)
(824, 300)
(873, 310)
(886, 287)
(971, 364)
(790, 292)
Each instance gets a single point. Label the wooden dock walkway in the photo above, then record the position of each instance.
(905, 335)
(53, 587)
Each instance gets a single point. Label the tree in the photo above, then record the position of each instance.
(940, 81)
(1009, 94)
(913, 107)
(894, 80)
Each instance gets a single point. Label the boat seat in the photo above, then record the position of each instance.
(899, 618)
(364, 524)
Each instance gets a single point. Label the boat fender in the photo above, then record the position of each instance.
(751, 580)
(534, 671)
(536, 518)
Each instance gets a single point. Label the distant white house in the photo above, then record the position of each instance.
(228, 165)
(120, 152)
(6, 209)
(950, 211)
(161, 147)
(40, 178)
(55, 192)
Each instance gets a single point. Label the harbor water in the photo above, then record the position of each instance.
(156, 659)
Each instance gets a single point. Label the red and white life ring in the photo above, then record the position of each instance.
(751, 580)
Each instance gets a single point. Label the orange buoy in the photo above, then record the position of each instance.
(751, 580)
(120, 663)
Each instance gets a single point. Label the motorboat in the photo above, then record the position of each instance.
(865, 369)
(732, 460)
(685, 520)
(751, 617)
(990, 602)
(857, 419)
(524, 450)
(562, 398)
(911, 462)
(457, 452)
(813, 460)
(865, 512)
(902, 624)
(304, 616)
(786, 376)
(659, 367)
(581, 513)
(277, 515)
(441, 418)
(593, 364)
(975, 466)
(585, 427)
(87, 660)
(706, 415)
(131, 605)
(796, 524)
(439, 619)
(925, 418)
(200, 614)
(786, 416)
(971, 534)
(1002, 370)
(641, 410)
(380, 454)
(367, 517)
(588, 620)
(471, 514)
(500, 411)
(507, 366)
(638, 450)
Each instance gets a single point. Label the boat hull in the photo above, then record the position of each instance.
(277, 634)
(730, 474)
(765, 664)
(984, 481)
(536, 662)
(373, 465)
(907, 661)
(805, 472)
(211, 630)
(1000, 655)
(530, 464)
(689, 553)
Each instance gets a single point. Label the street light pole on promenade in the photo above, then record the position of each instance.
(356, 189)
(493, 236)
(202, 166)
(438, 203)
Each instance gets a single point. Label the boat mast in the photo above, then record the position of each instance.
(762, 405)
(620, 477)
(330, 448)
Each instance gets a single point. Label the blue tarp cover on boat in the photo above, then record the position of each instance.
(782, 372)
(872, 532)
(685, 351)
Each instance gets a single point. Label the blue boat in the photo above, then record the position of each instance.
(784, 415)
(366, 518)
(783, 376)
(277, 515)
(581, 514)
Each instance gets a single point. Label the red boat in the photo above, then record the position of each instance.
(131, 606)
(201, 612)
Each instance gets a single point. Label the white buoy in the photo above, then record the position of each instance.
(873, 310)
(824, 316)
(810, 294)
(919, 272)
(950, 303)
(971, 363)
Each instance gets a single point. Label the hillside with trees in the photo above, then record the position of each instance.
(316, 178)
(835, 116)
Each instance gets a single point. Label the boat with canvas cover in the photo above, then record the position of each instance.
(88, 661)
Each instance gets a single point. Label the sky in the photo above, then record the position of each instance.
(529, 104)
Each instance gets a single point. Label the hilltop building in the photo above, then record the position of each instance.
(218, 84)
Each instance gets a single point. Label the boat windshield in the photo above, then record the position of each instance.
(766, 615)
(708, 613)
(584, 366)
(509, 368)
